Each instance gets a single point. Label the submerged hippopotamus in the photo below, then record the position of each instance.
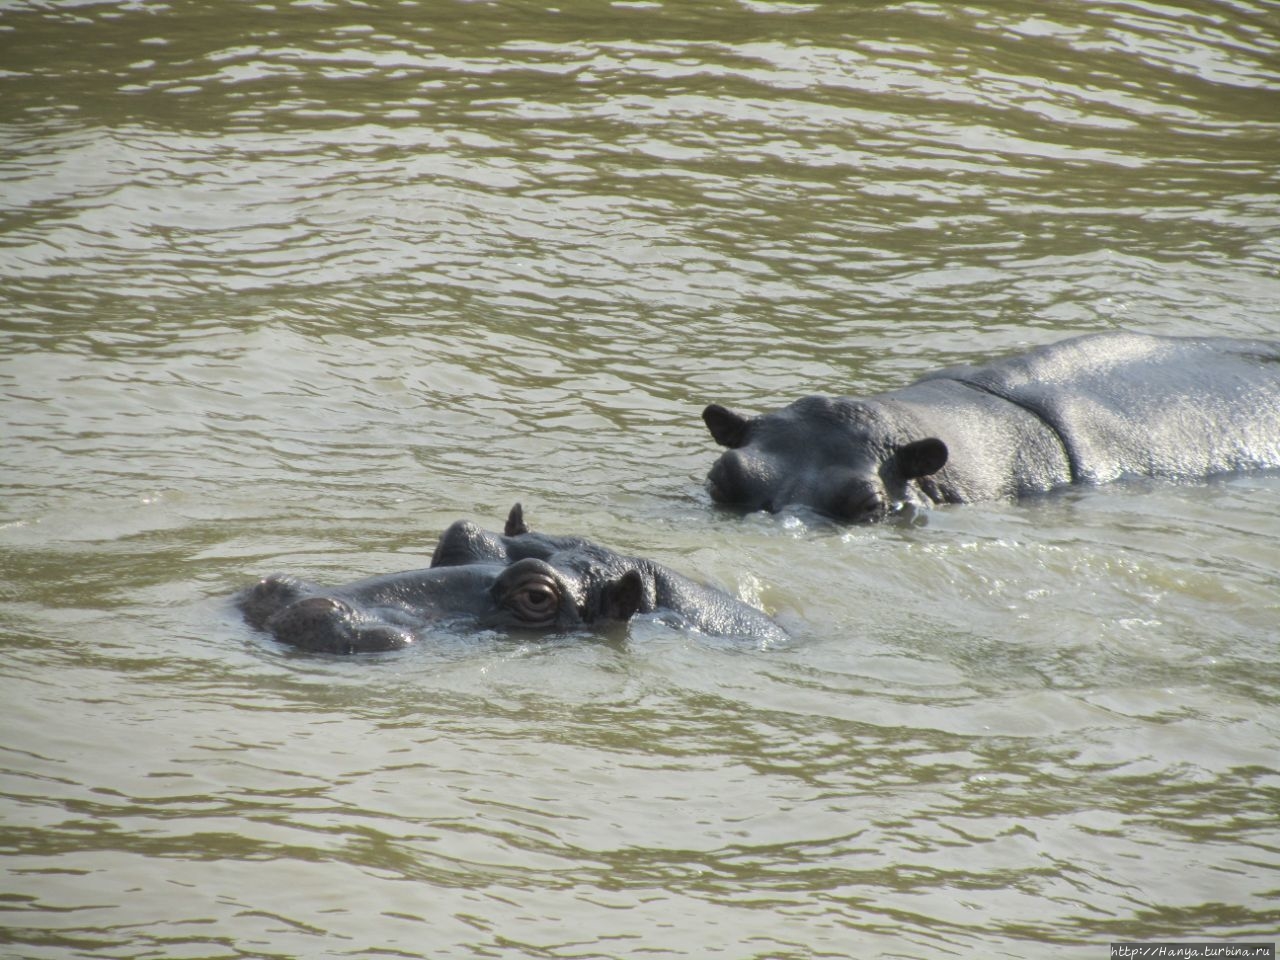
(1091, 409)
(516, 580)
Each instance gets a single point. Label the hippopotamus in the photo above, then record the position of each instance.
(1087, 410)
(516, 580)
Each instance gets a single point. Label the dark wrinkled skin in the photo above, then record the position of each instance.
(516, 580)
(1091, 409)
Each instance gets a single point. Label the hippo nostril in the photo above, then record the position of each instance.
(315, 623)
(268, 596)
(727, 482)
(716, 484)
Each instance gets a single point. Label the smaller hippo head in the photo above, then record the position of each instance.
(516, 580)
(842, 458)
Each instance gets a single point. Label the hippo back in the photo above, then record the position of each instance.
(1127, 404)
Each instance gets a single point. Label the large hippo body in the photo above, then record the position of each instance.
(477, 579)
(1091, 409)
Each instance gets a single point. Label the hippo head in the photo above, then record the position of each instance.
(842, 458)
(516, 580)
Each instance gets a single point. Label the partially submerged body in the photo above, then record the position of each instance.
(1090, 409)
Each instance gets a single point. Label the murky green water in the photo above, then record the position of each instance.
(291, 286)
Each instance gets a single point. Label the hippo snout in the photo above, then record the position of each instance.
(292, 611)
(268, 596)
(330, 625)
(735, 482)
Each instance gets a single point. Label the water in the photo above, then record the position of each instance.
(292, 286)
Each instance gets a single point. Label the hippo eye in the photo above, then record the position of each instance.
(536, 600)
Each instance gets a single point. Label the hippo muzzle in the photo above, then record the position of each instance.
(379, 614)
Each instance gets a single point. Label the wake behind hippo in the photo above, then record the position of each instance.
(1090, 409)
(515, 580)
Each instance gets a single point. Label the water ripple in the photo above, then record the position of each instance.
(293, 286)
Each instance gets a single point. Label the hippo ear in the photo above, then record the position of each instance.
(727, 428)
(515, 522)
(921, 458)
(622, 598)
